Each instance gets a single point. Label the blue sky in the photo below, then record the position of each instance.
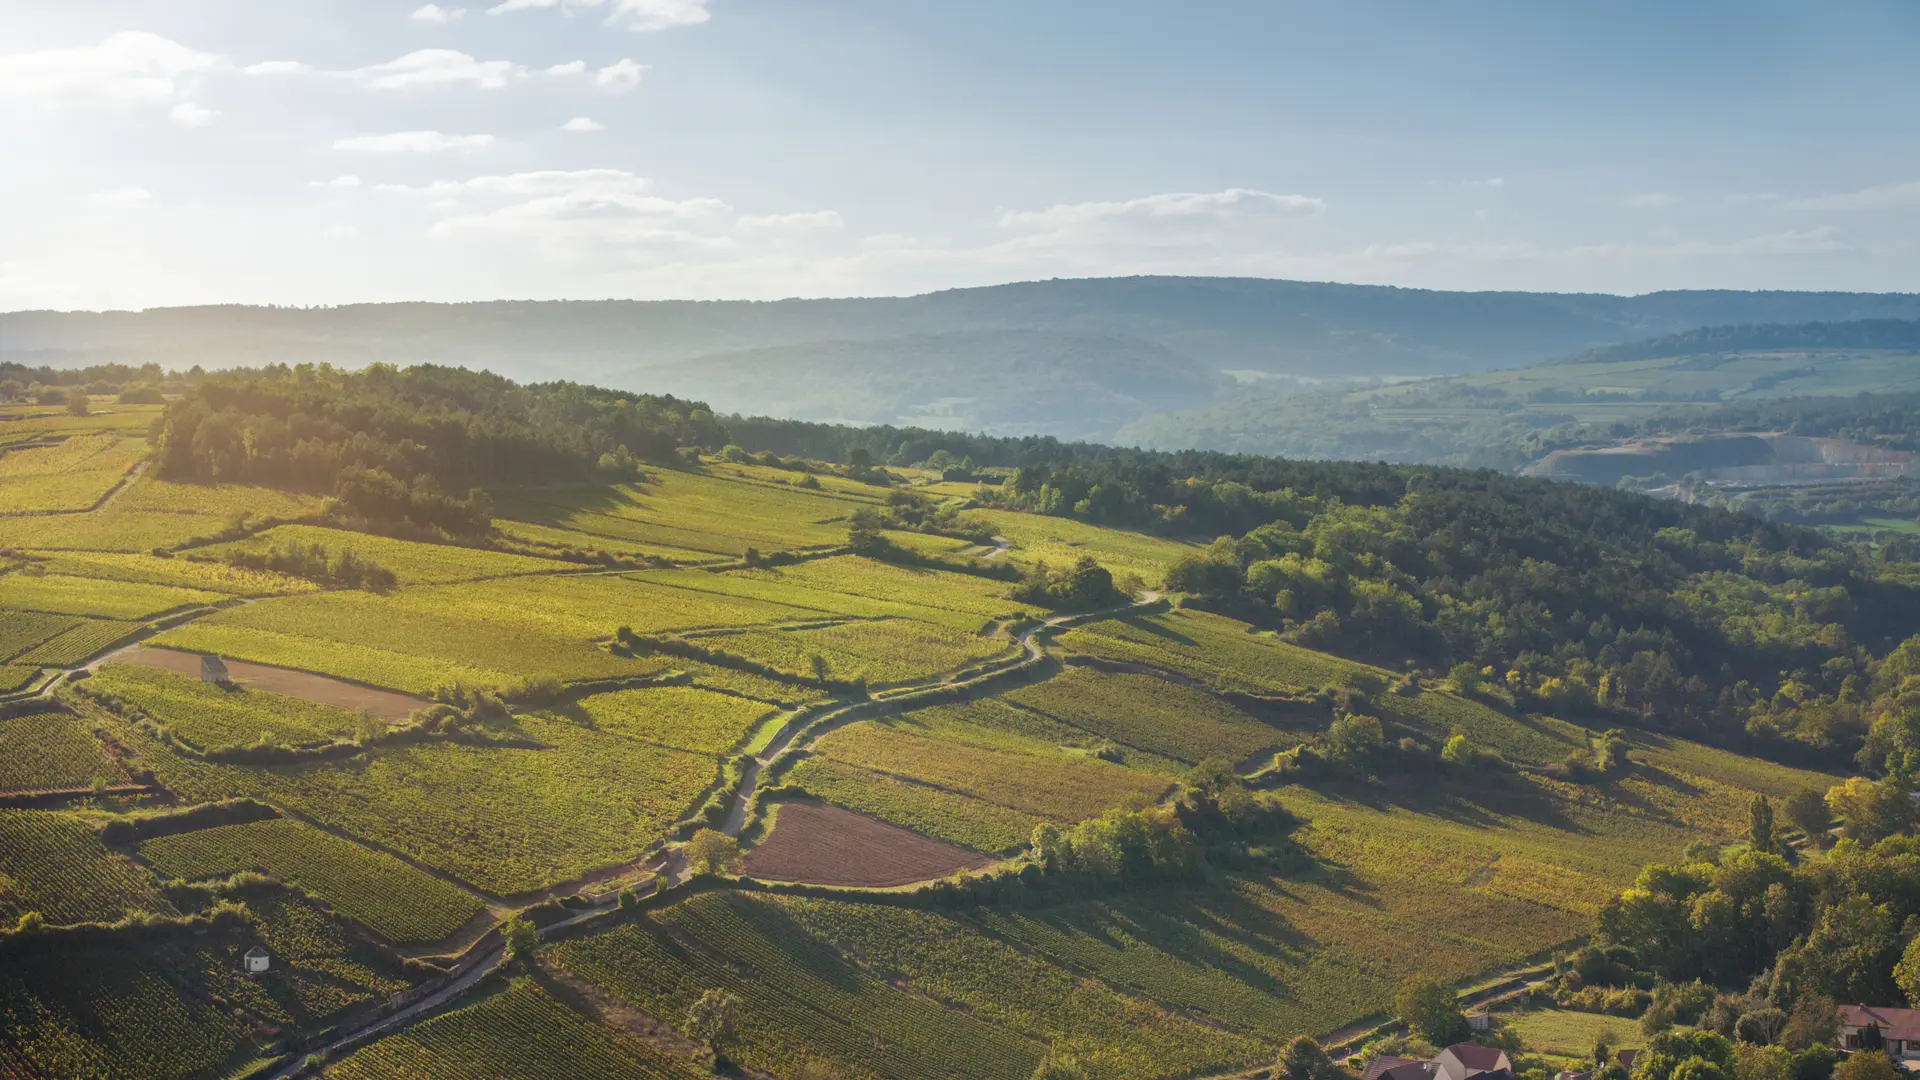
(329, 151)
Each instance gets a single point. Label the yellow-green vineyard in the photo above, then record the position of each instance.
(532, 722)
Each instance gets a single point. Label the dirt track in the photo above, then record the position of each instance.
(305, 685)
(825, 845)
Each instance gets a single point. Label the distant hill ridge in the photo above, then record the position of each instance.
(1294, 327)
(1081, 358)
(1856, 334)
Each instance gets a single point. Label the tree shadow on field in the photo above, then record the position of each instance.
(1146, 625)
(786, 936)
(1476, 801)
(552, 506)
(1192, 926)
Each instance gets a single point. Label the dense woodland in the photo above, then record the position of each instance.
(1588, 601)
(415, 444)
(1757, 942)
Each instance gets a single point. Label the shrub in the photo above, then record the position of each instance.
(521, 937)
(712, 852)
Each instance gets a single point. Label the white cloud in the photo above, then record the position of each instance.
(619, 75)
(639, 15)
(412, 142)
(1653, 200)
(121, 195)
(187, 114)
(420, 68)
(788, 223)
(1177, 206)
(434, 13)
(126, 67)
(568, 69)
(347, 180)
(1884, 197)
(583, 125)
(613, 220)
(437, 67)
(278, 67)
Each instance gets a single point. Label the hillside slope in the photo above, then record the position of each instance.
(1159, 839)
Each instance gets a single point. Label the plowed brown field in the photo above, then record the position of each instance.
(825, 845)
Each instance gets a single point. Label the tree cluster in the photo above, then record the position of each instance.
(415, 444)
(347, 570)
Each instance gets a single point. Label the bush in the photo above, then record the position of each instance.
(521, 937)
(712, 852)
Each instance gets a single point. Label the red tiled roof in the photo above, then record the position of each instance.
(1378, 1066)
(1478, 1058)
(1902, 1024)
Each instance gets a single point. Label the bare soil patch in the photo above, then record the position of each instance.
(825, 845)
(305, 685)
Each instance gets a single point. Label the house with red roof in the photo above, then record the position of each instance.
(1461, 1061)
(1896, 1031)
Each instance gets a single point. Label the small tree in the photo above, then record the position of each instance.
(1458, 752)
(1760, 835)
(1866, 1065)
(714, 1020)
(712, 852)
(1465, 678)
(1429, 1009)
(77, 403)
(1303, 1059)
(1807, 811)
(522, 937)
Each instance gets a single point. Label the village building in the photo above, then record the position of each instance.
(1895, 1031)
(257, 960)
(213, 670)
(1461, 1061)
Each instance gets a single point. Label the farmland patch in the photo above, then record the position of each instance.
(826, 845)
(387, 896)
(50, 750)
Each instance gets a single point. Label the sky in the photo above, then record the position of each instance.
(331, 151)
